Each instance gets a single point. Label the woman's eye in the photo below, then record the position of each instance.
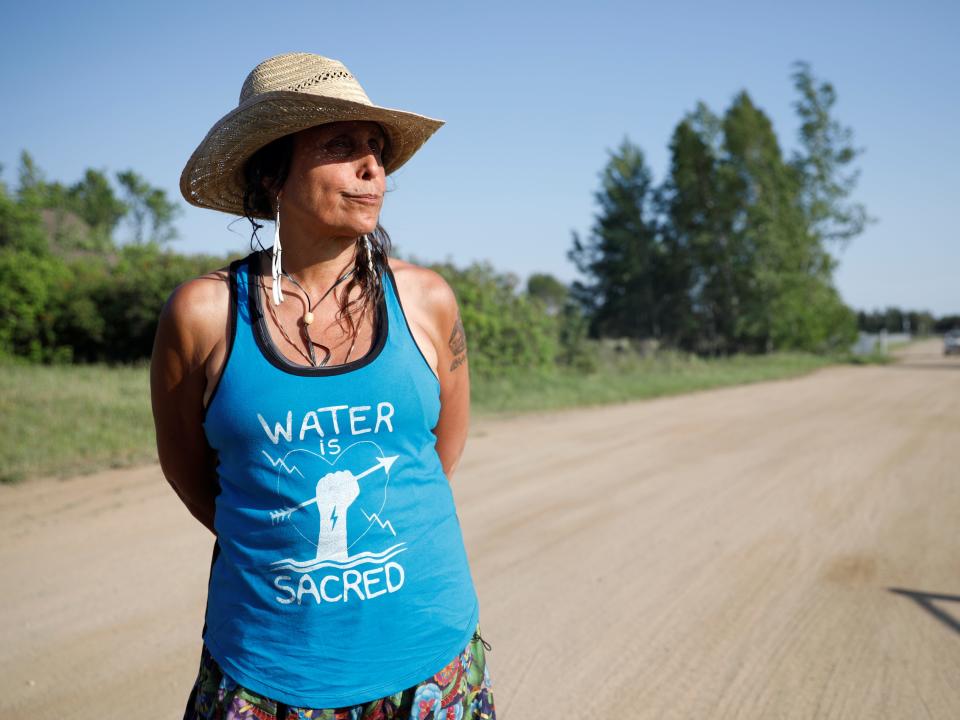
(340, 145)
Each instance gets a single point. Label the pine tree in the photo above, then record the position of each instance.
(621, 257)
(695, 237)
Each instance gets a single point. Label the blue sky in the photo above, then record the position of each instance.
(533, 93)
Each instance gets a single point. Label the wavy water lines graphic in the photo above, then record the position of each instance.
(304, 566)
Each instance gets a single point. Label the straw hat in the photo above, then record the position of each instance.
(282, 95)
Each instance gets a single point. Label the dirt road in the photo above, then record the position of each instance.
(767, 551)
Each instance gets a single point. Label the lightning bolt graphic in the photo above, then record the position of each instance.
(382, 524)
(333, 516)
(280, 462)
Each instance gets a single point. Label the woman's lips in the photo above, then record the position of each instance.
(363, 199)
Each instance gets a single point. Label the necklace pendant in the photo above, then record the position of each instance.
(307, 317)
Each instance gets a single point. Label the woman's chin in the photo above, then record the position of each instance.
(350, 233)
(365, 228)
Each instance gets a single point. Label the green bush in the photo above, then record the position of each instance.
(31, 300)
(138, 284)
(505, 329)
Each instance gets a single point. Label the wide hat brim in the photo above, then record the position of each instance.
(213, 176)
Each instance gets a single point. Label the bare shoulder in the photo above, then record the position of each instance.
(430, 306)
(426, 291)
(197, 312)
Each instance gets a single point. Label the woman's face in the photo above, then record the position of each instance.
(336, 178)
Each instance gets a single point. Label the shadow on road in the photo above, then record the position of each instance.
(926, 601)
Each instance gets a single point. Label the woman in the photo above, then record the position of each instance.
(311, 404)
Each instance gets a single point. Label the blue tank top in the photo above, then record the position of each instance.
(339, 573)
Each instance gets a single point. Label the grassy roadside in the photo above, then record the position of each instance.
(637, 378)
(71, 420)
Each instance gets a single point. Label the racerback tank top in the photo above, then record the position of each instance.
(339, 573)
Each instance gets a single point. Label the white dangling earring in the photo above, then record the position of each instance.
(277, 291)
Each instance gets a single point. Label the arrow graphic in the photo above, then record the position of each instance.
(278, 516)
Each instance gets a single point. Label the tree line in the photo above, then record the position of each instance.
(897, 320)
(732, 252)
(74, 290)
(71, 290)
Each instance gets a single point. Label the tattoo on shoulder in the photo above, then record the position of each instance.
(458, 344)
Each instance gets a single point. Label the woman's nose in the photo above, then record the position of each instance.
(369, 166)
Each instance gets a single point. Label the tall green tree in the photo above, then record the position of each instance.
(80, 216)
(785, 278)
(20, 225)
(738, 237)
(696, 233)
(621, 256)
(32, 187)
(151, 213)
(94, 200)
(825, 161)
(768, 231)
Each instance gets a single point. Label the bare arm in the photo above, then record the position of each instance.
(190, 327)
(453, 371)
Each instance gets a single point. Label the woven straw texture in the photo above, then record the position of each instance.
(285, 94)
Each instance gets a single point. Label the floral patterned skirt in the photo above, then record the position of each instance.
(460, 691)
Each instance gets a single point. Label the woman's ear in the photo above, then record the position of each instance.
(269, 184)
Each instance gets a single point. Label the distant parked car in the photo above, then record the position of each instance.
(951, 342)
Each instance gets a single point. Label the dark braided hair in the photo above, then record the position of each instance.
(271, 163)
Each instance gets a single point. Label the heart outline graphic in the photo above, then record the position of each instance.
(282, 465)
